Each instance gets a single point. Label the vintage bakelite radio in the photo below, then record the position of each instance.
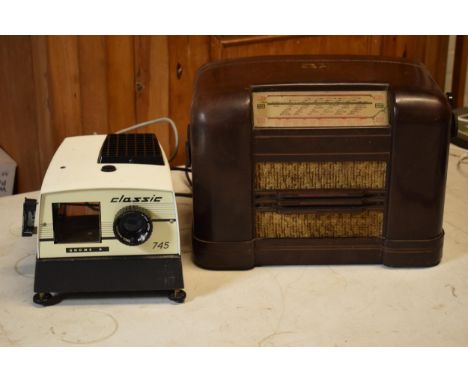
(318, 160)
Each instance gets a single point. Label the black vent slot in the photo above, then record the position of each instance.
(131, 148)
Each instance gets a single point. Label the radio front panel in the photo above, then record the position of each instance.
(318, 178)
(320, 108)
(108, 223)
(317, 223)
(320, 175)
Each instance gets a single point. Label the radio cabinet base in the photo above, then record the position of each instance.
(258, 252)
(413, 253)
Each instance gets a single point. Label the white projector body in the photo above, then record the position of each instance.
(74, 176)
(108, 218)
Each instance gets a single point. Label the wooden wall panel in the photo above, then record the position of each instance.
(64, 87)
(186, 55)
(78, 85)
(18, 129)
(120, 82)
(436, 47)
(460, 70)
(69, 85)
(152, 84)
(45, 144)
(426, 49)
(430, 50)
(92, 59)
(402, 46)
(246, 46)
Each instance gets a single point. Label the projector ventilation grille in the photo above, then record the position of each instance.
(131, 148)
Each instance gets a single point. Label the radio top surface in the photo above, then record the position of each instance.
(229, 77)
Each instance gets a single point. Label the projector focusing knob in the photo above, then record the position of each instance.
(132, 225)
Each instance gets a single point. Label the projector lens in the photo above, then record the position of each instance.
(133, 226)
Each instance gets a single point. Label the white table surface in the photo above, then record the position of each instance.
(283, 305)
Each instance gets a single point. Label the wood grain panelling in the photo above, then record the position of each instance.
(430, 50)
(58, 86)
(426, 49)
(459, 70)
(186, 55)
(402, 46)
(82, 85)
(45, 144)
(234, 47)
(18, 133)
(64, 87)
(436, 47)
(93, 83)
(152, 84)
(120, 82)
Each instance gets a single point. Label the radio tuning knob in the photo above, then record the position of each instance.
(132, 225)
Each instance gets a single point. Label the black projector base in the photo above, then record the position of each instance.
(56, 277)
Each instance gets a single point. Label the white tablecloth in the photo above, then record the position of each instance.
(283, 305)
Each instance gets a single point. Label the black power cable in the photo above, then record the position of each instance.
(186, 170)
(184, 195)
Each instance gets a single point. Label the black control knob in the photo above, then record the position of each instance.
(133, 226)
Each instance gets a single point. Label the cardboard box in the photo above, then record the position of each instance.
(7, 173)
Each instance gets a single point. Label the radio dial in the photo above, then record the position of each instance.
(133, 226)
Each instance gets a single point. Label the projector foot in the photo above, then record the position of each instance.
(46, 299)
(177, 295)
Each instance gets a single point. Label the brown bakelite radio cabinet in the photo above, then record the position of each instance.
(318, 160)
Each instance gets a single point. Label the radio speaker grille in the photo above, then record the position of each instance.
(320, 175)
(271, 224)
